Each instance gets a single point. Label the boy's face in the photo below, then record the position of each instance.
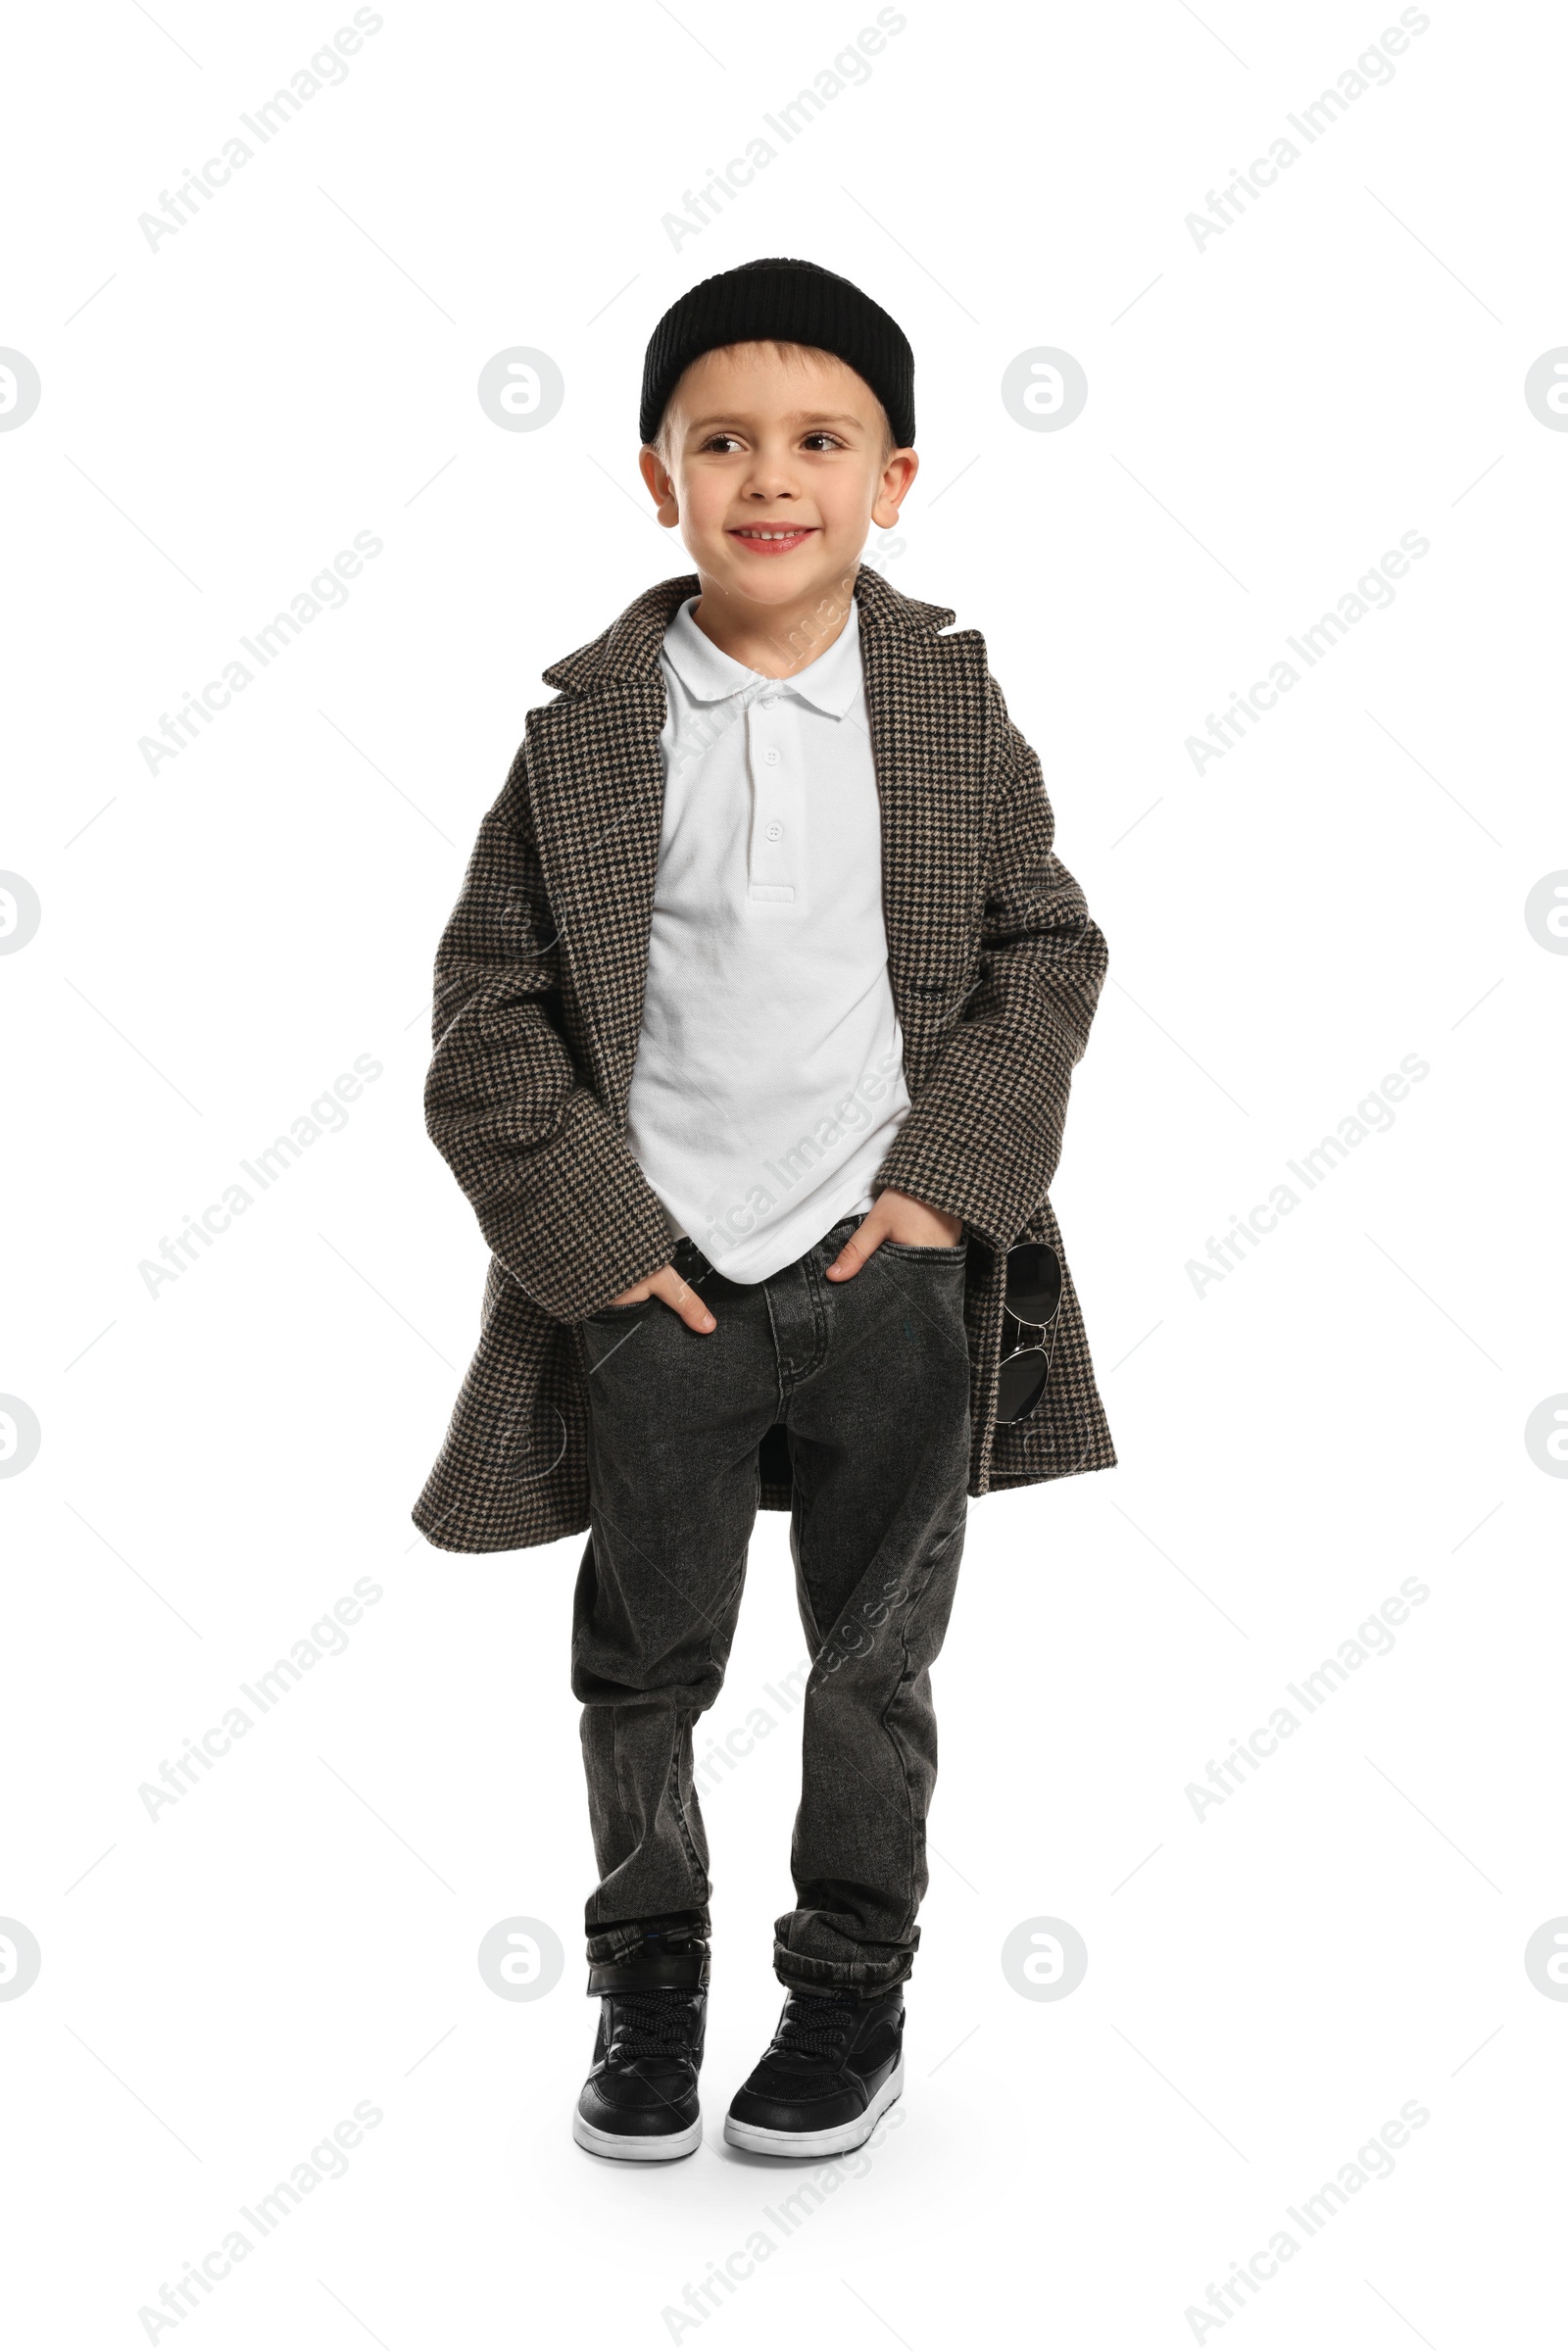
(763, 441)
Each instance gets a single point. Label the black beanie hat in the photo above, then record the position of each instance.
(785, 302)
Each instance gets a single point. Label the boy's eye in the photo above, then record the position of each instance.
(719, 444)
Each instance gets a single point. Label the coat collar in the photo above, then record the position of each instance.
(627, 651)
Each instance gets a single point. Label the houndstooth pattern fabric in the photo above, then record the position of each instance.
(995, 968)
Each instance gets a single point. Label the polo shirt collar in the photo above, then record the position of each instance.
(829, 683)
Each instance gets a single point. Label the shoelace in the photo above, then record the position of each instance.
(814, 2027)
(650, 2025)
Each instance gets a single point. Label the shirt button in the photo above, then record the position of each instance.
(770, 758)
(768, 702)
(775, 831)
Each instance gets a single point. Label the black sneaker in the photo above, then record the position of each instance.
(833, 2067)
(639, 2102)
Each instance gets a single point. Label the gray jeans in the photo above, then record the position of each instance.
(870, 1380)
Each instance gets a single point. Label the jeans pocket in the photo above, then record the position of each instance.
(950, 1253)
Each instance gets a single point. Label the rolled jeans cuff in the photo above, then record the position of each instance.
(627, 1939)
(861, 1979)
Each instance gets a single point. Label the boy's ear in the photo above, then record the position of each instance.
(661, 486)
(896, 475)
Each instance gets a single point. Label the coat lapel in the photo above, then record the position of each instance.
(596, 785)
(597, 788)
(929, 738)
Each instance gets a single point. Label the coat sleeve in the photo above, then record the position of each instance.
(984, 1131)
(559, 1196)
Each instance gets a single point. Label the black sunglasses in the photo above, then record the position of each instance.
(1032, 1300)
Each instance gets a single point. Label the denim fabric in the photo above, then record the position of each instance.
(870, 1379)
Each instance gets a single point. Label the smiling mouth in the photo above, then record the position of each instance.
(773, 539)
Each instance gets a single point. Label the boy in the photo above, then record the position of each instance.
(754, 1031)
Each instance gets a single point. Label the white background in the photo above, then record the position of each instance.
(1266, 414)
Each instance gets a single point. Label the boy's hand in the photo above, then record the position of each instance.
(668, 1285)
(895, 1216)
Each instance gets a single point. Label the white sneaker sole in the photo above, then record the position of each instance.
(663, 2148)
(843, 2139)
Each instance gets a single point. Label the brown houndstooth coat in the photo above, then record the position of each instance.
(995, 964)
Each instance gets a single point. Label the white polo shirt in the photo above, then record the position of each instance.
(770, 1076)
